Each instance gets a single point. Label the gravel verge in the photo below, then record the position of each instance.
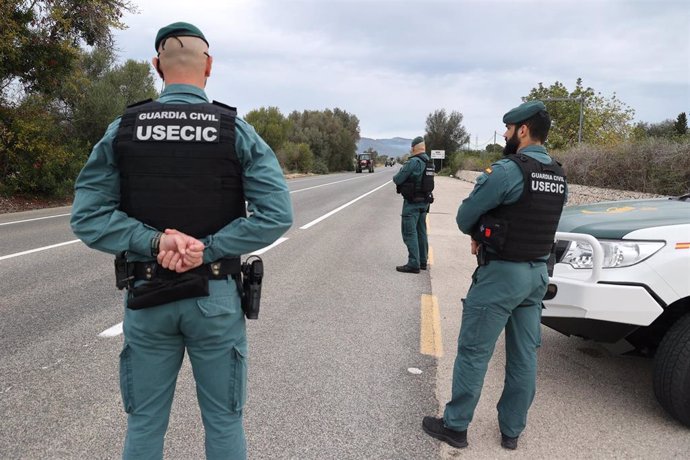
(580, 194)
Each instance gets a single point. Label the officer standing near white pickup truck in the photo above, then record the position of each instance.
(512, 214)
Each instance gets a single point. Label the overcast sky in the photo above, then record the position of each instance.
(393, 62)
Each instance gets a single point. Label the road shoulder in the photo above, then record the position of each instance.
(451, 272)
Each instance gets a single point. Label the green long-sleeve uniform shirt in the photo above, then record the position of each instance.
(411, 168)
(502, 185)
(98, 222)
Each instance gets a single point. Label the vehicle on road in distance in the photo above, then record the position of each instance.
(390, 162)
(623, 277)
(364, 161)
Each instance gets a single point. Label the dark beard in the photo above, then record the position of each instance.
(512, 145)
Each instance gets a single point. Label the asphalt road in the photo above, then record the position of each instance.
(329, 357)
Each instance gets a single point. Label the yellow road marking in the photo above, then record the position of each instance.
(430, 256)
(430, 342)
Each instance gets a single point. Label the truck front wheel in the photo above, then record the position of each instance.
(672, 370)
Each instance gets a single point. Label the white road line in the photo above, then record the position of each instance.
(116, 330)
(270, 246)
(112, 331)
(31, 220)
(44, 248)
(314, 178)
(325, 216)
(324, 185)
(308, 179)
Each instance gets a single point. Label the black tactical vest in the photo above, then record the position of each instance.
(418, 189)
(525, 230)
(178, 166)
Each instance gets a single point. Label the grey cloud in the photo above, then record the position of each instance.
(373, 57)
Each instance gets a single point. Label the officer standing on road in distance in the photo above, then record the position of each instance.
(167, 184)
(415, 208)
(512, 215)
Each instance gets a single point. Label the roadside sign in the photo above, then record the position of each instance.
(438, 154)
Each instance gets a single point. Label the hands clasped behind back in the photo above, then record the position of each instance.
(179, 251)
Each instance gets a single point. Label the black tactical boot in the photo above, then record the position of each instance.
(407, 269)
(422, 266)
(508, 443)
(435, 428)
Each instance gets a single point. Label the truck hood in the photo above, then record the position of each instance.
(615, 219)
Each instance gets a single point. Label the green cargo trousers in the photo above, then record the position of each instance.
(212, 330)
(413, 228)
(503, 295)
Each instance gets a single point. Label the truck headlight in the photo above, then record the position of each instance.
(616, 253)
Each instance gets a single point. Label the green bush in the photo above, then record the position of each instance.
(476, 160)
(296, 157)
(320, 166)
(454, 162)
(36, 155)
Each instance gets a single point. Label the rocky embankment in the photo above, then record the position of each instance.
(580, 194)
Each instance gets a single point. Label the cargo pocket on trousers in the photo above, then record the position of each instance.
(408, 225)
(471, 325)
(238, 390)
(126, 383)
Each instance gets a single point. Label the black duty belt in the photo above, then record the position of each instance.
(219, 269)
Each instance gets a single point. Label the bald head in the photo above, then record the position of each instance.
(183, 60)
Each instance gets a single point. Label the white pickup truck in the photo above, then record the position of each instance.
(623, 276)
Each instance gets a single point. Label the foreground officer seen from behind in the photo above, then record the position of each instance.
(411, 184)
(166, 189)
(511, 215)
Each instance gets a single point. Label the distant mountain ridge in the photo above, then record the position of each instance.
(396, 147)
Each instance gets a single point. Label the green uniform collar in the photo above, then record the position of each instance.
(176, 90)
(534, 149)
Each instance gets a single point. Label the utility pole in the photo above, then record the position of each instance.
(582, 104)
(581, 100)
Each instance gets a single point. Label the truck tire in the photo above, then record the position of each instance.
(672, 371)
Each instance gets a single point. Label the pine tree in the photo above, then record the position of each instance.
(681, 124)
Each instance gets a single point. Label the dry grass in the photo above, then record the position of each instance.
(655, 166)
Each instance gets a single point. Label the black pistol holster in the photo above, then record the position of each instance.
(124, 273)
(250, 286)
(551, 262)
(481, 255)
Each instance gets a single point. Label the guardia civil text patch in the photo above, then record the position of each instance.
(177, 126)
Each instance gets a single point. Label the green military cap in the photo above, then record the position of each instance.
(523, 112)
(417, 140)
(179, 29)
